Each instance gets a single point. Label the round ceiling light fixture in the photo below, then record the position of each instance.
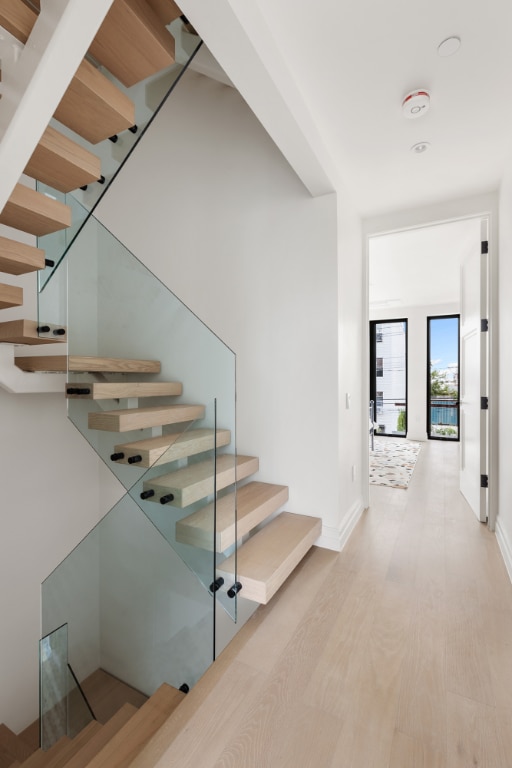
(420, 147)
(416, 103)
(449, 46)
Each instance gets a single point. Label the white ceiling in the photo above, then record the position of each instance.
(420, 266)
(356, 61)
(353, 62)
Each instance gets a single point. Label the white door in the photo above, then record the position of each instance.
(473, 380)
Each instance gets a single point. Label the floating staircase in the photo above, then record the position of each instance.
(268, 557)
(96, 109)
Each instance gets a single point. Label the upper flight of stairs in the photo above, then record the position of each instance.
(132, 44)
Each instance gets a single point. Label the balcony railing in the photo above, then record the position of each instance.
(444, 417)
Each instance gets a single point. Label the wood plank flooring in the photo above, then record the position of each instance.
(394, 653)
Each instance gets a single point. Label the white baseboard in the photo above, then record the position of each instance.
(336, 537)
(505, 547)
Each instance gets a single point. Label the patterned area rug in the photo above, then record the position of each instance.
(392, 462)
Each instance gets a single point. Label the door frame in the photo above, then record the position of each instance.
(483, 207)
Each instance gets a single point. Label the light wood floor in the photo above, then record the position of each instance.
(395, 653)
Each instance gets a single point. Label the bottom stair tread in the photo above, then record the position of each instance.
(266, 560)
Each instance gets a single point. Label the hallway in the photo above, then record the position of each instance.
(394, 653)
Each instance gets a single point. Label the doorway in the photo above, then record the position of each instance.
(414, 271)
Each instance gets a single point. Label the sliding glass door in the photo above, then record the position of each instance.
(388, 375)
(443, 377)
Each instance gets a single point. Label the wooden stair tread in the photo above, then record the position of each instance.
(166, 10)
(93, 106)
(74, 745)
(128, 419)
(119, 389)
(17, 18)
(100, 740)
(167, 448)
(46, 364)
(62, 163)
(132, 43)
(18, 258)
(10, 296)
(25, 332)
(35, 213)
(13, 745)
(266, 560)
(81, 364)
(107, 694)
(196, 481)
(254, 503)
(133, 736)
(39, 758)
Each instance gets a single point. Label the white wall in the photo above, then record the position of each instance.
(352, 356)
(213, 209)
(504, 520)
(416, 358)
(49, 502)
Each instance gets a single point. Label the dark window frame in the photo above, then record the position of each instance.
(429, 407)
(373, 367)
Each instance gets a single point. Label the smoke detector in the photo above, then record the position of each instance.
(416, 104)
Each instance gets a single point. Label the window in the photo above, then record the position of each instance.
(443, 377)
(388, 375)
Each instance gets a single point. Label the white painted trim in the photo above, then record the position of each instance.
(505, 547)
(17, 381)
(335, 538)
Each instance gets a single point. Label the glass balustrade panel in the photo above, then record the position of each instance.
(116, 308)
(133, 608)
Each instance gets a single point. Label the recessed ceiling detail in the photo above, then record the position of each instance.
(449, 46)
(416, 104)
